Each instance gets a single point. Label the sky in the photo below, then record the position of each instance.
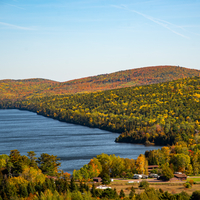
(63, 40)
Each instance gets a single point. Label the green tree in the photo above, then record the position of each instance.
(167, 172)
(109, 193)
(122, 194)
(73, 185)
(48, 164)
(18, 161)
(106, 179)
(195, 195)
(31, 155)
(180, 161)
(131, 194)
(23, 191)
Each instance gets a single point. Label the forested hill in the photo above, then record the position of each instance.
(22, 89)
(161, 113)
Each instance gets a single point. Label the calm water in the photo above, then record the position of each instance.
(75, 145)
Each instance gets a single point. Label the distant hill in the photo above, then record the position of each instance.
(20, 89)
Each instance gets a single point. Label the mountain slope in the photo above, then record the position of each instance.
(128, 78)
(21, 89)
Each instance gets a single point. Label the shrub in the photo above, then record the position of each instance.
(187, 185)
(144, 184)
(191, 182)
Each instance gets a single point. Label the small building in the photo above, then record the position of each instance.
(150, 167)
(97, 179)
(52, 177)
(181, 177)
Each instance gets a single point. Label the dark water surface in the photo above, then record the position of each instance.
(75, 145)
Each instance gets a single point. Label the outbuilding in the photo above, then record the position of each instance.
(181, 177)
(97, 179)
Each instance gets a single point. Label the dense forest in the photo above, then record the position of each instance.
(21, 89)
(160, 114)
(31, 178)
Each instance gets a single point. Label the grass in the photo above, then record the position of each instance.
(173, 188)
(194, 179)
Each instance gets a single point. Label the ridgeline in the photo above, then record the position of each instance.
(160, 114)
(28, 88)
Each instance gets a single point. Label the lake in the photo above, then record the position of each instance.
(75, 145)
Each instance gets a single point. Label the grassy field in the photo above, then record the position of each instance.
(173, 188)
(195, 179)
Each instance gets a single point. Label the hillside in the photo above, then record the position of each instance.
(161, 113)
(21, 89)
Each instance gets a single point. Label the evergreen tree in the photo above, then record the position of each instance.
(23, 191)
(81, 187)
(133, 189)
(73, 185)
(106, 179)
(93, 191)
(115, 193)
(30, 188)
(66, 186)
(131, 194)
(122, 194)
(195, 195)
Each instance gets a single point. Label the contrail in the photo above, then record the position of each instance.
(157, 21)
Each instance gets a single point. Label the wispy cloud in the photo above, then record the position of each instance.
(160, 22)
(17, 27)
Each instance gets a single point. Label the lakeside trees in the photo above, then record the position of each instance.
(32, 183)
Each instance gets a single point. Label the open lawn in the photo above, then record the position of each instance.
(172, 187)
(195, 179)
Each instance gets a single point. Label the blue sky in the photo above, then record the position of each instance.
(64, 40)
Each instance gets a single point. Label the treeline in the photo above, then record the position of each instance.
(177, 158)
(106, 166)
(159, 114)
(31, 178)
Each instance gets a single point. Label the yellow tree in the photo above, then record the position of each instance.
(96, 167)
(141, 164)
(33, 175)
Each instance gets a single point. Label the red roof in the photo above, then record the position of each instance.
(180, 175)
(153, 166)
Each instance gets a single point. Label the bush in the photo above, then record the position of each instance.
(144, 184)
(188, 184)
(191, 182)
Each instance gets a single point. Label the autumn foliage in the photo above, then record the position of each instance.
(22, 89)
